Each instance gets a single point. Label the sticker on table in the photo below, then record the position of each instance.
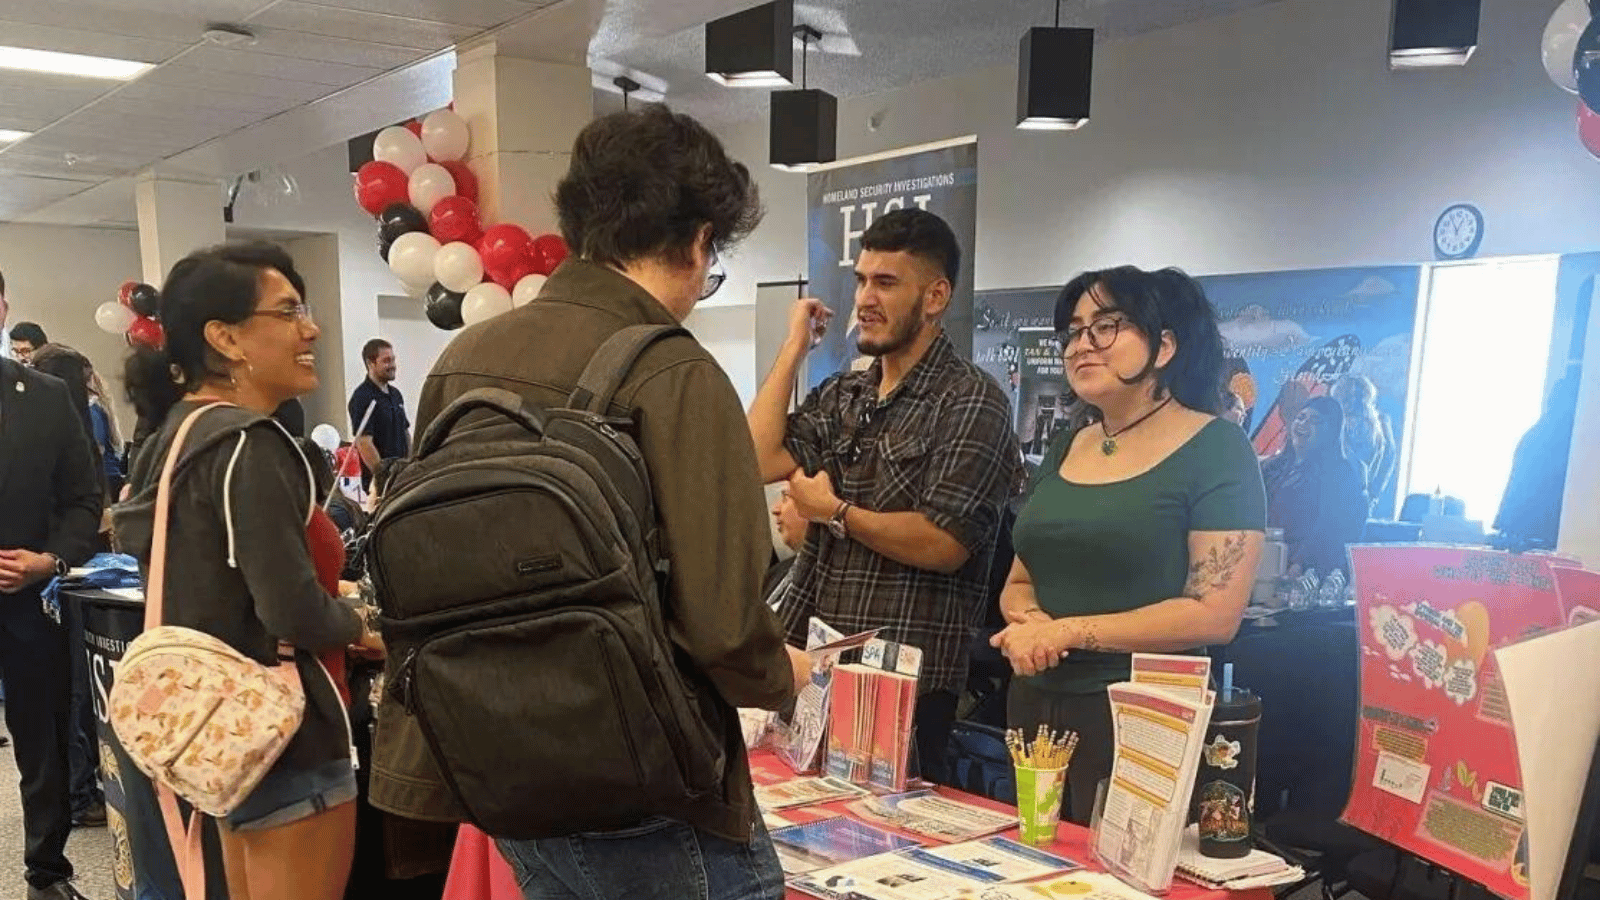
(1396, 632)
(1461, 681)
(1465, 829)
(1429, 660)
(1398, 719)
(1499, 798)
(1404, 744)
(1404, 778)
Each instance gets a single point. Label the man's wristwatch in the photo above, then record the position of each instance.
(836, 524)
(57, 565)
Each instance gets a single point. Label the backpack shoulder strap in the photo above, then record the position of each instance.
(610, 365)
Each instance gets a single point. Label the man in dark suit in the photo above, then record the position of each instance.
(52, 505)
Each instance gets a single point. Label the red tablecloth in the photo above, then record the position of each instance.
(478, 872)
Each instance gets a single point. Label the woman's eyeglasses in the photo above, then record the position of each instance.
(714, 278)
(1101, 333)
(292, 314)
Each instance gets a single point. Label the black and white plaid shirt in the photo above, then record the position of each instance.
(941, 445)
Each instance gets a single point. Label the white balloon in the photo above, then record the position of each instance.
(411, 258)
(458, 267)
(527, 289)
(399, 146)
(429, 184)
(484, 302)
(325, 436)
(445, 136)
(113, 317)
(1560, 43)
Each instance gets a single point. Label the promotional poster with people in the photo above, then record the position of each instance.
(843, 201)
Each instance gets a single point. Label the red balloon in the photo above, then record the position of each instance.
(466, 182)
(414, 127)
(549, 250)
(146, 332)
(507, 253)
(455, 218)
(125, 293)
(1589, 128)
(380, 184)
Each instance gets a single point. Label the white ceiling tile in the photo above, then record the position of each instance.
(180, 75)
(261, 65)
(51, 167)
(91, 43)
(299, 45)
(15, 85)
(153, 110)
(378, 28)
(178, 21)
(262, 107)
(475, 13)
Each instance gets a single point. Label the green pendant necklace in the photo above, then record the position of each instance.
(1108, 444)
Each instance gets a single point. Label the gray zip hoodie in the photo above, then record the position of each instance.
(238, 567)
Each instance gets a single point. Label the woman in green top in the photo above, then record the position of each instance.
(1146, 518)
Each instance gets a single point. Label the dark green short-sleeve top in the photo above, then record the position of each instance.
(1108, 548)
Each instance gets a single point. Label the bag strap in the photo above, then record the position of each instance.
(155, 591)
(610, 365)
(188, 849)
(506, 403)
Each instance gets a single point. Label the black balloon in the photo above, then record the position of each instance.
(443, 307)
(1587, 63)
(145, 301)
(397, 219)
(383, 246)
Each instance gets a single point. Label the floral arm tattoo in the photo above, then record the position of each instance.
(1215, 570)
(1210, 572)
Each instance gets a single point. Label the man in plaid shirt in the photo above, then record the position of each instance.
(906, 464)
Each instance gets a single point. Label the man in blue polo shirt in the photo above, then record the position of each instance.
(388, 431)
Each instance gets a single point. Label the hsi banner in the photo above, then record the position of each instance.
(846, 197)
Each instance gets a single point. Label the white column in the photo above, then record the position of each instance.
(524, 115)
(176, 217)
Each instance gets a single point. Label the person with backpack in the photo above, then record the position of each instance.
(570, 563)
(235, 559)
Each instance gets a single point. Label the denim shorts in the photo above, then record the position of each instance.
(286, 796)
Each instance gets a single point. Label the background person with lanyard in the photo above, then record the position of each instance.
(388, 430)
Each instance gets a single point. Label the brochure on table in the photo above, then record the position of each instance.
(816, 845)
(934, 873)
(1159, 720)
(798, 739)
(870, 712)
(804, 792)
(927, 813)
(1437, 771)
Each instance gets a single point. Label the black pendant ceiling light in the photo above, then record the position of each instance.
(1054, 75)
(804, 123)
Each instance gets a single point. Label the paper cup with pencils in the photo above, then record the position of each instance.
(1041, 780)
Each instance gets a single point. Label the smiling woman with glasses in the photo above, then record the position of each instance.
(246, 543)
(1144, 522)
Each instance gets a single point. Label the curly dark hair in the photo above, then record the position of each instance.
(643, 183)
(1154, 302)
(215, 284)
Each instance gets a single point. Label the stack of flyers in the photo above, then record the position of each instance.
(1078, 886)
(938, 873)
(804, 792)
(927, 813)
(817, 845)
(1004, 859)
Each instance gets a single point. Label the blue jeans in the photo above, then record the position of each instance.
(659, 859)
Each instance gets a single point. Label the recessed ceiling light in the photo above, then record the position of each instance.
(49, 61)
(7, 136)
